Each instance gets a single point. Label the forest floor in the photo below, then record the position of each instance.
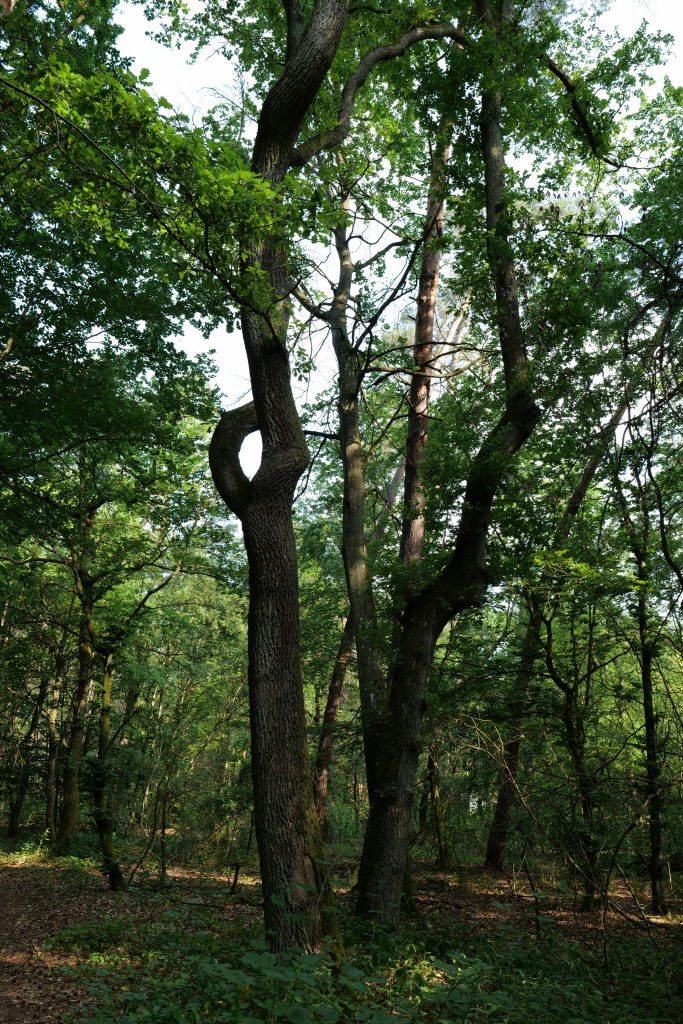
(59, 914)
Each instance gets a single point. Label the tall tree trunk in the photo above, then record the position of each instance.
(443, 860)
(103, 820)
(362, 614)
(652, 766)
(25, 770)
(462, 583)
(53, 747)
(74, 751)
(326, 740)
(413, 524)
(336, 687)
(287, 831)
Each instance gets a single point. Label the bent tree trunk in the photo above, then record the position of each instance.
(287, 832)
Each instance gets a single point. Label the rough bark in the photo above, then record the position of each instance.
(70, 789)
(103, 822)
(413, 525)
(652, 756)
(462, 583)
(287, 830)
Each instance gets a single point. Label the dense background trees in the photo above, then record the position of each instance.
(461, 593)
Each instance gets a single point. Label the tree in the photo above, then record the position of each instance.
(230, 233)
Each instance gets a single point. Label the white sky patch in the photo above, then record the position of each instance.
(661, 16)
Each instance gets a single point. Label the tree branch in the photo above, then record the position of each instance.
(334, 136)
(570, 89)
(231, 481)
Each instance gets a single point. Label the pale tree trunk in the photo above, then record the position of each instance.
(363, 614)
(53, 747)
(336, 687)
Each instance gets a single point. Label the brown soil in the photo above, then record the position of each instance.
(35, 902)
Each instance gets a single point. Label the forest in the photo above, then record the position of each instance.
(377, 719)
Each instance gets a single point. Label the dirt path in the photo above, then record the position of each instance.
(35, 902)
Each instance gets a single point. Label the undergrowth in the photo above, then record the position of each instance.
(187, 966)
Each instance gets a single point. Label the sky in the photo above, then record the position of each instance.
(189, 88)
(185, 85)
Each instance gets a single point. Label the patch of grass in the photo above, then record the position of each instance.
(88, 937)
(25, 848)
